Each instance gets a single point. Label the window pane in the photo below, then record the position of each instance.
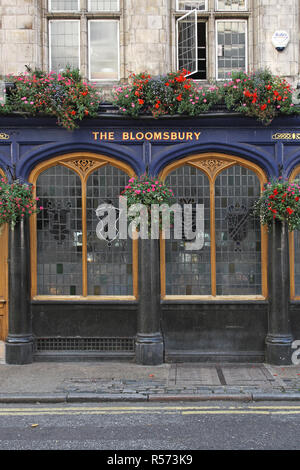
(232, 5)
(188, 271)
(104, 5)
(104, 50)
(59, 233)
(64, 45)
(297, 255)
(238, 233)
(109, 262)
(200, 5)
(187, 43)
(63, 5)
(231, 38)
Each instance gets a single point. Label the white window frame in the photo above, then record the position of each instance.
(205, 9)
(63, 11)
(50, 37)
(89, 51)
(233, 20)
(112, 11)
(196, 39)
(231, 11)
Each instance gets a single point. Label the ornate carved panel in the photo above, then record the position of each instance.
(212, 166)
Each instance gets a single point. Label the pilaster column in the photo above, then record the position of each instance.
(149, 341)
(279, 338)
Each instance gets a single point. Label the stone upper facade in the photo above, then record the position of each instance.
(147, 35)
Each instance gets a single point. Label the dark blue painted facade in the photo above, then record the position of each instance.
(34, 140)
(192, 330)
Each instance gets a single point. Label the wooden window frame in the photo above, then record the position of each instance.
(83, 172)
(212, 164)
(293, 296)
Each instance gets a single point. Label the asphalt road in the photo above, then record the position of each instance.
(156, 427)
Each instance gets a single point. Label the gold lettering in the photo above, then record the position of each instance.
(125, 136)
(148, 136)
(95, 134)
(173, 135)
(197, 135)
(139, 135)
(166, 136)
(111, 136)
(189, 136)
(157, 135)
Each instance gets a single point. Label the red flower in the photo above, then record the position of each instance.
(263, 107)
(179, 97)
(73, 113)
(289, 210)
(141, 101)
(297, 198)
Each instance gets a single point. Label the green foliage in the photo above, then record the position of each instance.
(64, 95)
(280, 200)
(260, 95)
(16, 202)
(166, 95)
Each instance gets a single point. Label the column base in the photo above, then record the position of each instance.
(18, 350)
(278, 350)
(149, 349)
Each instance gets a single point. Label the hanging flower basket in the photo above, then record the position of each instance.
(280, 200)
(16, 202)
(148, 191)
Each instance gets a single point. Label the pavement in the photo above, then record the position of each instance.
(83, 382)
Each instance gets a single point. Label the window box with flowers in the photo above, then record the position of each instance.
(65, 96)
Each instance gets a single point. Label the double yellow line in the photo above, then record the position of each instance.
(162, 409)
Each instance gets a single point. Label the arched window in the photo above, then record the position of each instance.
(69, 259)
(294, 245)
(3, 279)
(231, 262)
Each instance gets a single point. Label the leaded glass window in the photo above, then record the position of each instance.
(231, 5)
(296, 254)
(238, 233)
(103, 5)
(229, 263)
(59, 233)
(188, 272)
(231, 47)
(109, 262)
(64, 44)
(191, 5)
(72, 259)
(63, 5)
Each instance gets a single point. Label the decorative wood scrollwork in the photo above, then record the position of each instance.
(211, 165)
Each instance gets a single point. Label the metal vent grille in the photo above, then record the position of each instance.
(85, 344)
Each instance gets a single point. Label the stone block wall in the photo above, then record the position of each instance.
(148, 36)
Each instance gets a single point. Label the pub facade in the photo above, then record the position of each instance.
(67, 294)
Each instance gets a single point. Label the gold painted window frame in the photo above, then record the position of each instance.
(293, 296)
(83, 164)
(3, 279)
(212, 164)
